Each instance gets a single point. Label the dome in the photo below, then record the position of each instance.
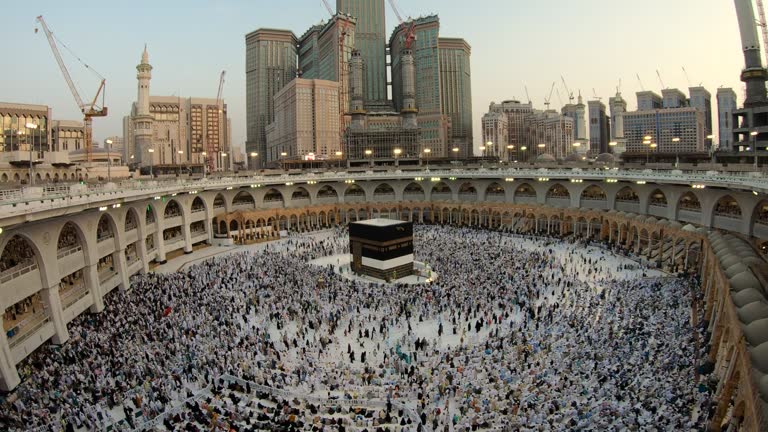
(651, 220)
(729, 261)
(753, 311)
(664, 222)
(757, 332)
(675, 224)
(746, 297)
(745, 280)
(759, 357)
(689, 228)
(573, 157)
(545, 157)
(605, 158)
(734, 269)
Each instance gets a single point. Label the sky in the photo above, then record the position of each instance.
(515, 43)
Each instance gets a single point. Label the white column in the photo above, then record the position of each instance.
(141, 246)
(121, 265)
(91, 276)
(9, 376)
(187, 237)
(52, 301)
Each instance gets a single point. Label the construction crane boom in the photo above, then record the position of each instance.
(642, 87)
(658, 74)
(328, 7)
(89, 110)
(551, 90)
(763, 25)
(410, 33)
(527, 95)
(210, 149)
(567, 90)
(596, 97)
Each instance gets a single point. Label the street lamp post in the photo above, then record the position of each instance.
(151, 162)
(109, 160)
(223, 163)
(455, 151)
(489, 147)
(283, 155)
(523, 149)
(369, 155)
(426, 156)
(31, 126)
(205, 164)
(397, 156)
(753, 134)
(509, 152)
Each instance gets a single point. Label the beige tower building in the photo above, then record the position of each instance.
(306, 122)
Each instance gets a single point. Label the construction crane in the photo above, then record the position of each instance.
(642, 87)
(567, 90)
(527, 95)
(763, 25)
(551, 90)
(210, 159)
(596, 97)
(410, 34)
(328, 7)
(89, 110)
(658, 74)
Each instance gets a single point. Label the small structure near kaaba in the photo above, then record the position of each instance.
(382, 248)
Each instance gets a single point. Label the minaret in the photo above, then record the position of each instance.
(618, 108)
(754, 74)
(580, 121)
(142, 121)
(357, 109)
(409, 110)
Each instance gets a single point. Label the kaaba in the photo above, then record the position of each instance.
(382, 248)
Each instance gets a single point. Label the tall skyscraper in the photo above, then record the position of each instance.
(425, 52)
(456, 90)
(306, 121)
(495, 135)
(701, 99)
(648, 100)
(618, 109)
(598, 128)
(673, 98)
(270, 63)
(578, 112)
(726, 105)
(370, 40)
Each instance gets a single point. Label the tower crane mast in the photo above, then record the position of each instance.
(210, 149)
(89, 110)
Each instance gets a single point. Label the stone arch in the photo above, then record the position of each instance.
(16, 177)
(219, 202)
(327, 193)
(441, 192)
(525, 193)
(273, 196)
(198, 205)
(689, 208)
(758, 225)
(131, 219)
(300, 193)
(593, 196)
(106, 227)
(413, 192)
(20, 252)
(495, 192)
(467, 192)
(354, 193)
(727, 206)
(149, 215)
(4, 178)
(70, 238)
(628, 195)
(243, 199)
(558, 195)
(384, 192)
(172, 209)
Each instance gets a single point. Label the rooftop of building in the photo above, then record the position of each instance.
(422, 20)
(10, 106)
(66, 124)
(381, 222)
(325, 25)
(282, 35)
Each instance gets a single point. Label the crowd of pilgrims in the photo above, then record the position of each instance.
(513, 335)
